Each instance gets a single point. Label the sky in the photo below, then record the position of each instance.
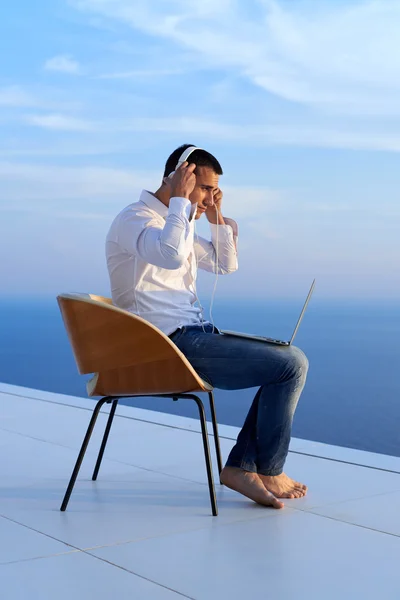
(299, 101)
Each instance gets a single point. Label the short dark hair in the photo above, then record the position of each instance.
(201, 158)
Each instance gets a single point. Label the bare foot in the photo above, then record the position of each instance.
(250, 485)
(283, 486)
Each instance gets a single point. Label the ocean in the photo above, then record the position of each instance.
(352, 396)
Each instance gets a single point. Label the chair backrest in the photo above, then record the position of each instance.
(128, 354)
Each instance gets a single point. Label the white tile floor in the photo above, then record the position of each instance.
(144, 529)
(76, 576)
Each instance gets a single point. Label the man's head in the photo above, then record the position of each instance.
(207, 174)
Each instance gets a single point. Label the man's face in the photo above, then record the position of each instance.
(206, 187)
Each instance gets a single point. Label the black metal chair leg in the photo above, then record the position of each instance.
(114, 401)
(83, 451)
(207, 455)
(105, 439)
(215, 430)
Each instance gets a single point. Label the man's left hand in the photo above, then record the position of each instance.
(218, 199)
(213, 213)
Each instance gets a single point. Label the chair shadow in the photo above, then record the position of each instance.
(95, 493)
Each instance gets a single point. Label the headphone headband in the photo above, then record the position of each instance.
(185, 155)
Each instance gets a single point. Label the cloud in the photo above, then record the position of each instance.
(381, 210)
(252, 203)
(296, 134)
(141, 74)
(333, 208)
(183, 125)
(340, 59)
(60, 147)
(15, 96)
(326, 136)
(278, 47)
(63, 63)
(263, 230)
(38, 97)
(59, 122)
(27, 182)
(100, 192)
(290, 134)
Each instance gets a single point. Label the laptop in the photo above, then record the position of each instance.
(260, 338)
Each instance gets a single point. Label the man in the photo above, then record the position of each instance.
(152, 257)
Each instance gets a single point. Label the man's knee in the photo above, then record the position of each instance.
(300, 360)
(293, 364)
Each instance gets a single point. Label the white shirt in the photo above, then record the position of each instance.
(152, 258)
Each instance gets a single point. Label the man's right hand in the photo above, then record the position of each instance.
(183, 181)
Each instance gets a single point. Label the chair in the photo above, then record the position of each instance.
(129, 358)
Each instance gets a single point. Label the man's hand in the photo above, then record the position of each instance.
(218, 199)
(183, 181)
(213, 213)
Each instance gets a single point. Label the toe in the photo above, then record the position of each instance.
(276, 503)
(301, 489)
(287, 495)
(301, 486)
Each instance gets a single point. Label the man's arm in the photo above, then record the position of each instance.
(223, 237)
(141, 234)
(165, 247)
(223, 245)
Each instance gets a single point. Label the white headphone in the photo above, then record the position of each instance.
(183, 157)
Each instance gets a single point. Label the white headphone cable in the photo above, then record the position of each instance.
(216, 274)
(194, 281)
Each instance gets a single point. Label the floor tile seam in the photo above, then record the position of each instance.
(29, 436)
(79, 551)
(43, 557)
(47, 535)
(357, 499)
(157, 471)
(349, 523)
(37, 439)
(140, 420)
(161, 585)
(75, 548)
(346, 462)
(180, 532)
(109, 459)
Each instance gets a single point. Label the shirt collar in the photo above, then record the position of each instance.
(154, 203)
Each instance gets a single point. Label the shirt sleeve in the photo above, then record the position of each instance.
(140, 233)
(224, 238)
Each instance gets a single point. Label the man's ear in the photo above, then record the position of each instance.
(166, 184)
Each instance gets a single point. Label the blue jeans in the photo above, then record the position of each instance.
(231, 363)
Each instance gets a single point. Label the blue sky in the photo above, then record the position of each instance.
(300, 101)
